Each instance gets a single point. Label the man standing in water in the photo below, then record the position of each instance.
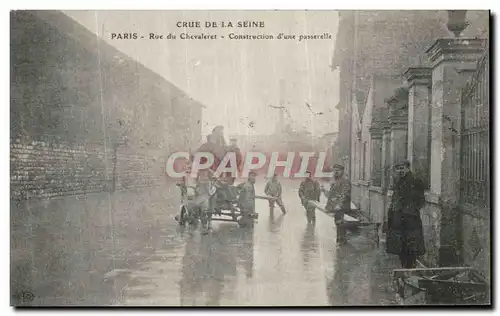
(246, 199)
(405, 236)
(339, 200)
(274, 189)
(309, 190)
(204, 193)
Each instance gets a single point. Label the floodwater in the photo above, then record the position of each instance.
(125, 249)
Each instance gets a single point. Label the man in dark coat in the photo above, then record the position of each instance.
(210, 147)
(246, 199)
(405, 235)
(339, 201)
(310, 190)
(233, 147)
(218, 136)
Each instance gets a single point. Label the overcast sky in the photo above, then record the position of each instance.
(236, 79)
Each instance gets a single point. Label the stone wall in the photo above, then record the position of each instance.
(86, 117)
(364, 197)
(356, 193)
(47, 169)
(41, 168)
(431, 222)
(360, 196)
(376, 204)
(477, 243)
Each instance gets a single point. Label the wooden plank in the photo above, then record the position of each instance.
(220, 219)
(476, 275)
(225, 213)
(266, 197)
(321, 207)
(438, 269)
(450, 284)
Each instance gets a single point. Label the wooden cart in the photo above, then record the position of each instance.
(223, 207)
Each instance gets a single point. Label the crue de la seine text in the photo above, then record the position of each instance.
(214, 24)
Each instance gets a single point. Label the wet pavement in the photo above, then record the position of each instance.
(125, 249)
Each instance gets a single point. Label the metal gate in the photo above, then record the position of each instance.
(475, 139)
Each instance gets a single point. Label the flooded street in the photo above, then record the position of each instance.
(126, 249)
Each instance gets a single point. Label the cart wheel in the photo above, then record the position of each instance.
(193, 222)
(182, 218)
(245, 221)
(240, 222)
(234, 216)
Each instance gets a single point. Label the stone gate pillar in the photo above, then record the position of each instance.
(419, 99)
(398, 120)
(386, 161)
(386, 155)
(376, 150)
(452, 62)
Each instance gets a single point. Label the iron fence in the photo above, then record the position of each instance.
(475, 145)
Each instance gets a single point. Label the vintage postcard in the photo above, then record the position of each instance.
(250, 158)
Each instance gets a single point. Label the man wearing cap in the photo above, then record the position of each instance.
(274, 189)
(339, 200)
(405, 235)
(309, 190)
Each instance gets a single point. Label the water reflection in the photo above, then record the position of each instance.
(245, 251)
(338, 285)
(275, 223)
(210, 264)
(309, 244)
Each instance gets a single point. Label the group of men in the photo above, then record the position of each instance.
(338, 198)
(405, 236)
(404, 225)
(216, 145)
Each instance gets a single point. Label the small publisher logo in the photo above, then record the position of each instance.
(25, 296)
